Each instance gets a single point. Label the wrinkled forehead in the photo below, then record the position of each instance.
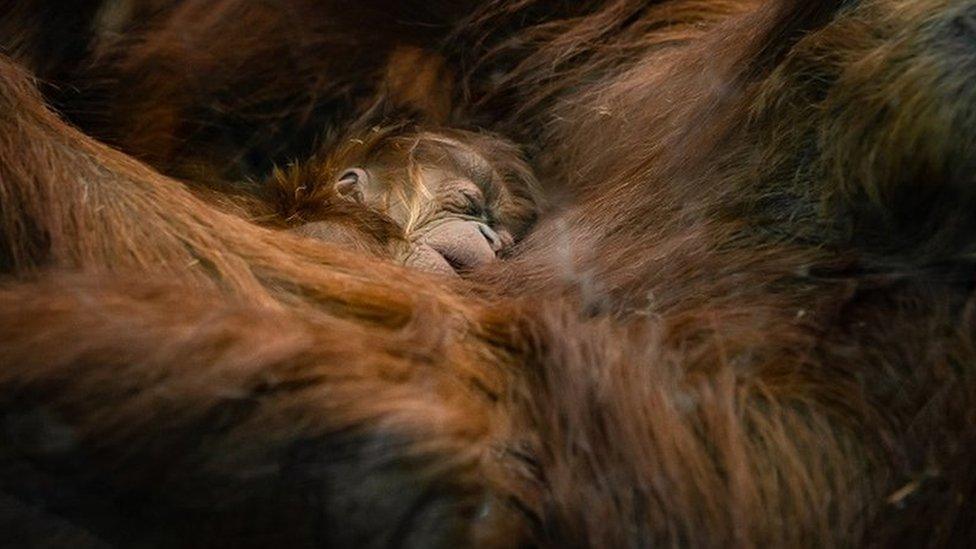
(408, 160)
(447, 155)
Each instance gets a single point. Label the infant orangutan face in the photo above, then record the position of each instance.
(454, 200)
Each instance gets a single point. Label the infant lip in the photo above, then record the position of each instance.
(426, 258)
(461, 243)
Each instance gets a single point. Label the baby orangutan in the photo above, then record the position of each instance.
(442, 201)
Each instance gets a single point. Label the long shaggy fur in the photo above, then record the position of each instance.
(748, 320)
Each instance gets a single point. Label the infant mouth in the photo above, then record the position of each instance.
(430, 259)
(455, 263)
(460, 259)
(455, 248)
(426, 258)
(462, 244)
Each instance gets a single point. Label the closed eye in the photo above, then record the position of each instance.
(473, 202)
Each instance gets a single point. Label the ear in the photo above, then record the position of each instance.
(350, 185)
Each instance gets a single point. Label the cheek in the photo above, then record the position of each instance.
(399, 211)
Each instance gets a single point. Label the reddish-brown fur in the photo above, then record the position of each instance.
(749, 322)
(222, 90)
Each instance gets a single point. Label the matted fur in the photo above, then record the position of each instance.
(733, 331)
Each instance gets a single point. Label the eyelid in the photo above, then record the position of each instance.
(475, 200)
(474, 195)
